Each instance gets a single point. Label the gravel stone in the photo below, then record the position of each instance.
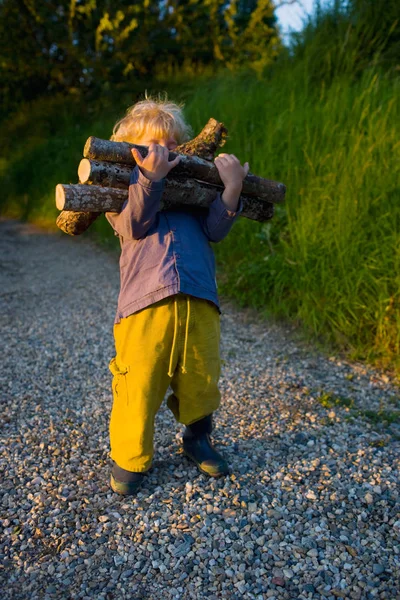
(378, 569)
(310, 509)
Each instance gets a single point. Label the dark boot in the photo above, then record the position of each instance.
(197, 446)
(125, 482)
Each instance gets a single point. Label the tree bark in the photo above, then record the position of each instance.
(189, 167)
(176, 194)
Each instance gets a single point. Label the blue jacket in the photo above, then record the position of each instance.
(166, 252)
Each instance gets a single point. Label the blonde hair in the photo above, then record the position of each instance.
(156, 116)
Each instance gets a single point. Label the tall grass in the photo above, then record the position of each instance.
(330, 257)
(41, 146)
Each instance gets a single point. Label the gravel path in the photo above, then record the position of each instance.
(311, 510)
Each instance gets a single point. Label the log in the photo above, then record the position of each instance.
(103, 173)
(189, 167)
(75, 223)
(204, 145)
(176, 194)
(89, 198)
(118, 175)
(212, 137)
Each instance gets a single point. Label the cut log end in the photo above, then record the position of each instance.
(88, 145)
(84, 170)
(60, 196)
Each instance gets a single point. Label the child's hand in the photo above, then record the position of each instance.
(155, 165)
(230, 170)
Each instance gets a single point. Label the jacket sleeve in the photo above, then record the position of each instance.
(218, 223)
(139, 211)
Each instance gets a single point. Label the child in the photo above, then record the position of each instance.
(167, 326)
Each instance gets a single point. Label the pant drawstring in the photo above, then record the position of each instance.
(171, 358)
(186, 335)
(170, 372)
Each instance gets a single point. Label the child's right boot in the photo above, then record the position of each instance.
(125, 482)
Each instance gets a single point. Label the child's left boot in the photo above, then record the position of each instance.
(197, 446)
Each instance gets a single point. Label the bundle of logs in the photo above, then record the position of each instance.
(105, 171)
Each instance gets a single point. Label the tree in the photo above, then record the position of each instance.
(65, 45)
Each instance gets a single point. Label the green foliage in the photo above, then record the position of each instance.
(71, 45)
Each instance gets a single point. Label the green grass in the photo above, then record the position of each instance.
(380, 416)
(381, 443)
(330, 257)
(329, 400)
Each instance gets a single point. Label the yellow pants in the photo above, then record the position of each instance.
(172, 342)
